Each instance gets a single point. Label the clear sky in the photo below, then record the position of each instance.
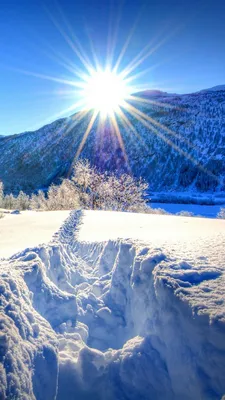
(40, 37)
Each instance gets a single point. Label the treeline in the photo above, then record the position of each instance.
(88, 189)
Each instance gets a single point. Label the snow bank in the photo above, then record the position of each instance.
(115, 319)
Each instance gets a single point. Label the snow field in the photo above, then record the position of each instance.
(91, 315)
(28, 229)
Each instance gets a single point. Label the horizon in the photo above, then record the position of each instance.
(184, 53)
(112, 199)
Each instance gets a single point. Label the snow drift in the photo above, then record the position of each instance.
(119, 319)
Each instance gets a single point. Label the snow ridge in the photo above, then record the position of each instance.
(116, 319)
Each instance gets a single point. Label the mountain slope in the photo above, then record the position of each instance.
(180, 146)
(214, 88)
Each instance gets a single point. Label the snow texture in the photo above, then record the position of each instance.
(138, 318)
(28, 229)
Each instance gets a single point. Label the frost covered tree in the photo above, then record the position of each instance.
(9, 201)
(89, 189)
(84, 179)
(108, 191)
(221, 213)
(22, 202)
(38, 201)
(62, 197)
(1, 193)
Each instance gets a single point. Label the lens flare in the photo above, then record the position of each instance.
(111, 92)
(104, 91)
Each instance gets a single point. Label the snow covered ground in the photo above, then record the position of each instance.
(117, 306)
(28, 229)
(153, 229)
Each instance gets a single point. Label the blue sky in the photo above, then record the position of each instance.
(191, 55)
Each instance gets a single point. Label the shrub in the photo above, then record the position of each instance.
(22, 202)
(221, 213)
(62, 197)
(1, 194)
(38, 201)
(185, 213)
(160, 211)
(9, 202)
(107, 191)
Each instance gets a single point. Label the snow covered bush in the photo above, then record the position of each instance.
(62, 197)
(221, 213)
(1, 192)
(38, 201)
(160, 211)
(21, 202)
(185, 214)
(98, 190)
(9, 202)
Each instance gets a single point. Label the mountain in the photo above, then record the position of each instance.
(180, 147)
(214, 89)
(152, 93)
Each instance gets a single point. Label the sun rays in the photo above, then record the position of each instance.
(109, 93)
(104, 92)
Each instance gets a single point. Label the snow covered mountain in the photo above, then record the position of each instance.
(214, 88)
(179, 147)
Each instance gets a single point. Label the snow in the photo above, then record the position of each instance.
(28, 229)
(116, 306)
(154, 229)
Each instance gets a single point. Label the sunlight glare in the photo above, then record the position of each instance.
(105, 91)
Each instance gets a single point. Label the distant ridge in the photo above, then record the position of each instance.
(213, 89)
(160, 93)
(153, 93)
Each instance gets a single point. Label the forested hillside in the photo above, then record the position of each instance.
(178, 145)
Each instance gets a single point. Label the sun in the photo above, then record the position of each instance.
(104, 91)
